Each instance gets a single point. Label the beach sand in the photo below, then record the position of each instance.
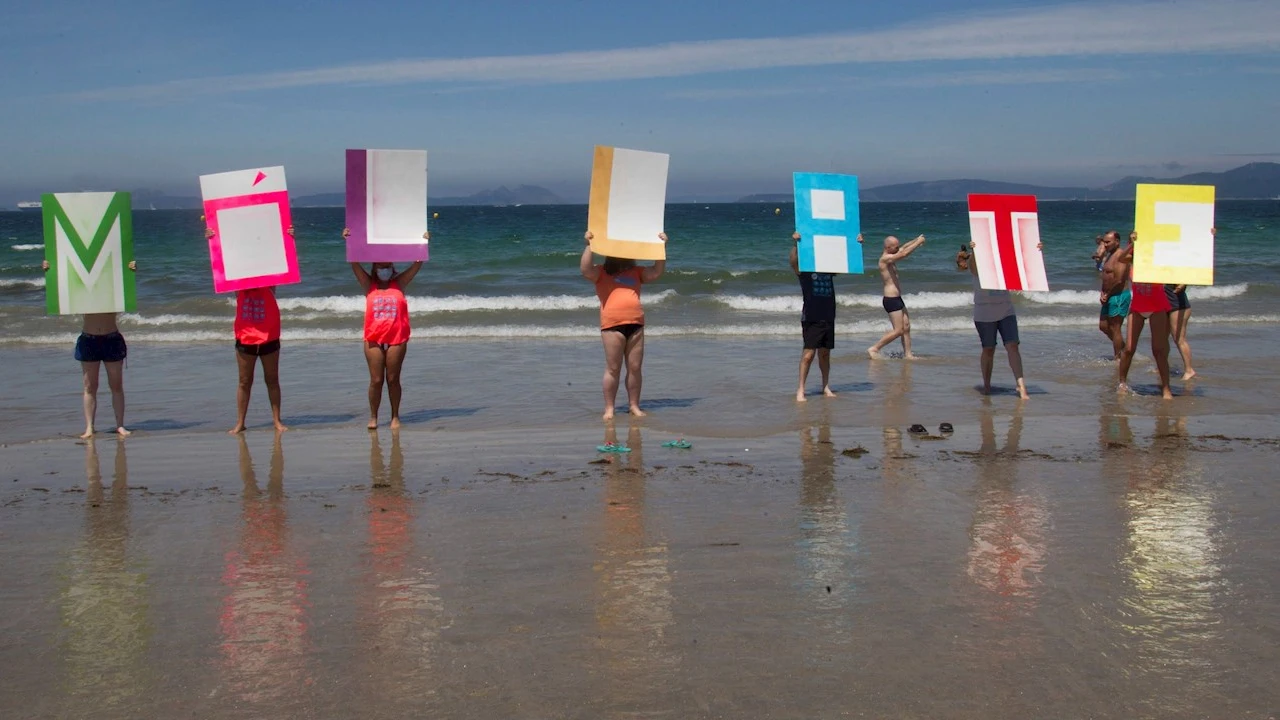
(1081, 555)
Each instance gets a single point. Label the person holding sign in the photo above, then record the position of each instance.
(894, 251)
(817, 320)
(1179, 318)
(100, 343)
(993, 314)
(1148, 303)
(386, 329)
(618, 283)
(257, 331)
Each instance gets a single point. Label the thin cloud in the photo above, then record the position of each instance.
(926, 80)
(1078, 29)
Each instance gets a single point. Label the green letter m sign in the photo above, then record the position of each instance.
(88, 241)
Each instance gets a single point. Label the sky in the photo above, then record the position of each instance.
(153, 93)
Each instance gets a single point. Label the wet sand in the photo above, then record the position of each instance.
(1119, 565)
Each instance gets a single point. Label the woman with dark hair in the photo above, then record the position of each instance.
(618, 283)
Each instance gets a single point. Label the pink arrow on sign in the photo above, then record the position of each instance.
(261, 176)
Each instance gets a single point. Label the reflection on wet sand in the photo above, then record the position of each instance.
(401, 610)
(1006, 537)
(633, 590)
(1173, 564)
(263, 625)
(826, 546)
(104, 604)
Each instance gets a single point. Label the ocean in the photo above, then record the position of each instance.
(511, 272)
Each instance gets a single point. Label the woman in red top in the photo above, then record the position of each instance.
(386, 330)
(618, 283)
(257, 329)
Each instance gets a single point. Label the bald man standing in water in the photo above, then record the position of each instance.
(892, 301)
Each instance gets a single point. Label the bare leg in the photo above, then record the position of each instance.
(906, 337)
(898, 319)
(635, 371)
(1160, 349)
(988, 362)
(271, 375)
(1116, 326)
(1178, 321)
(824, 365)
(614, 346)
(246, 364)
(395, 359)
(1136, 323)
(115, 380)
(90, 371)
(1015, 364)
(377, 361)
(806, 360)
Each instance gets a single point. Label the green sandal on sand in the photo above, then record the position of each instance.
(682, 444)
(611, 448)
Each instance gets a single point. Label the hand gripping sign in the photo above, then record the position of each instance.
(248, 212)
(88, 241)
(1006, 238)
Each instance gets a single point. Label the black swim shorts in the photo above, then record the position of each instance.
(265, 348)
(627, 330)
(101, 348)
(818, 334)
(1007, 328)
(1177, 300)
(893, 304)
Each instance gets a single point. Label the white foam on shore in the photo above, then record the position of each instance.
(867, 328)
(418, 304)
(27, 248)
(32, 283)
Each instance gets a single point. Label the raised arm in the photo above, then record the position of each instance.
(908, 249)
(649, 274)
(362, 275)
(968, 255)
(406, 277)
(794, 259)
(590, 270)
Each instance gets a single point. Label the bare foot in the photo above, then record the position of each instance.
(986, 390)
(911, 356)
(281, 427)
(800, 396)
(123, 432)
(373, 424)
(1188, 374)
(1022, 394)
(395, 423)
(1123, 389)
(637, 412)
(87, 434)
(828, 392)
(239, 428)
(873, 353)
(1167, 394)
(608, 414)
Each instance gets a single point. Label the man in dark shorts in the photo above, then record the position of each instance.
(817, 321)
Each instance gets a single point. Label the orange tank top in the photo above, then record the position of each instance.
(386, 315)
(619, 298)
(257, 316)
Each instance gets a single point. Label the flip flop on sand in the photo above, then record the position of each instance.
(946, 429)
(681, 444)
(917, 429)
(611, 448)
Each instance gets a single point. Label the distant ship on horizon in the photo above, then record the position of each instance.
(33, 206)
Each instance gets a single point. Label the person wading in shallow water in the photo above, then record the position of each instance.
(618, 283)
(892, 301)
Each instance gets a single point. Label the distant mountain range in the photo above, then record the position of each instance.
(1260, 180)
